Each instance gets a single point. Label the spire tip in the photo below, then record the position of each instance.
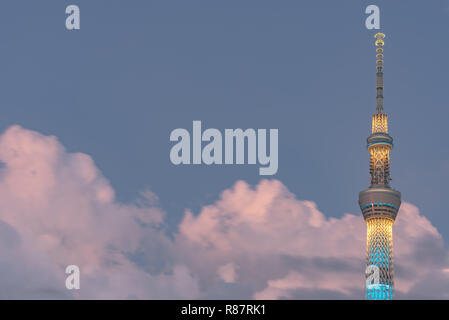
(379, 39)
(379, 65)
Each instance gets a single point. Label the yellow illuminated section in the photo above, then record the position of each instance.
(380, 165)
(380, 157)
(380, 123)
(380, 152)
(379, 231)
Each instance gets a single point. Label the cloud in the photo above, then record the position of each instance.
(254, 242)
(227, 272)
(57, 210)
(287, 248)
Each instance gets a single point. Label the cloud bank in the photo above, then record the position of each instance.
(57, 209)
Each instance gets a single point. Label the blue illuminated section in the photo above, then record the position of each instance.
(380, 256)
(379, 204)
(379, 292)
(379, 142)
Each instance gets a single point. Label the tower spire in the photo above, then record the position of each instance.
(380, 75)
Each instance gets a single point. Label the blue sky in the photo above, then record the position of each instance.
(139, 69)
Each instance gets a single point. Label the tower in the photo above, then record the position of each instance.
(379, 203)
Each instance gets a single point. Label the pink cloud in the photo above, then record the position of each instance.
(64, 212)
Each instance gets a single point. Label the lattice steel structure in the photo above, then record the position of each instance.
(379, 203)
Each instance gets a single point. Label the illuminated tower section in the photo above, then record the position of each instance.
(379, 203)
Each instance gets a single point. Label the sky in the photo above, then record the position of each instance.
(86, 117)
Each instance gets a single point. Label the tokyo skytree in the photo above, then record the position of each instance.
(379, 203)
